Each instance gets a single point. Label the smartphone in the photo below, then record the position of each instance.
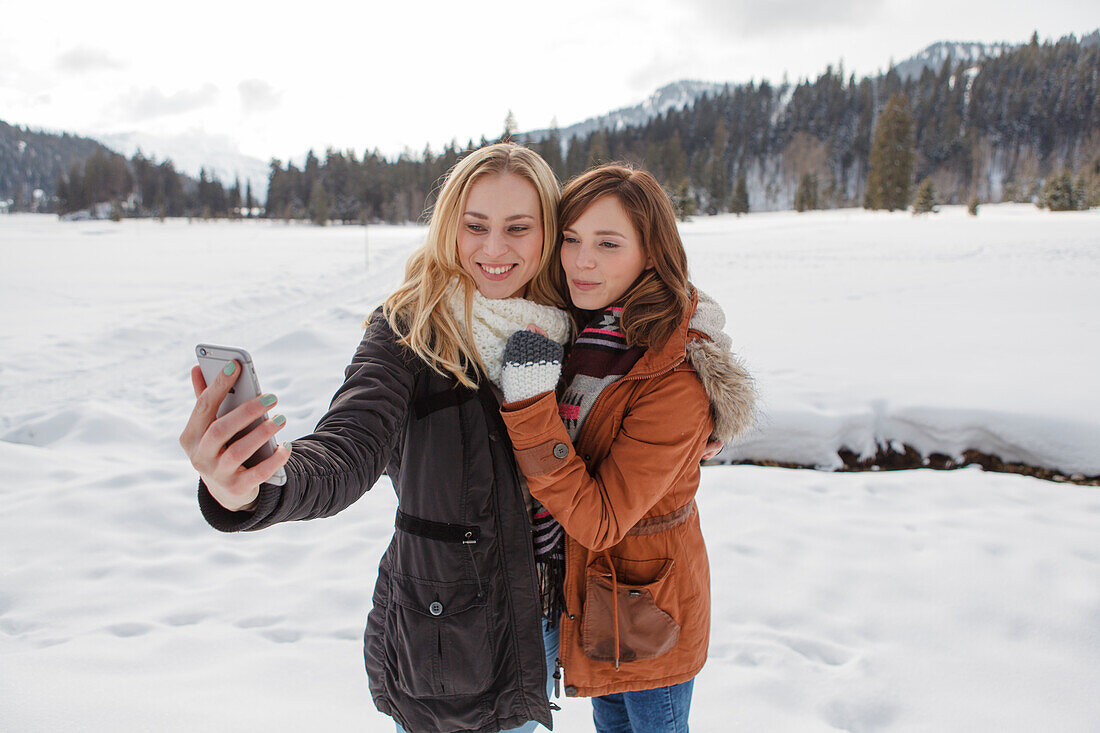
(212, 359)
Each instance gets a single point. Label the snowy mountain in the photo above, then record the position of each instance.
(933, 56)
(192, 151)
(676, 95)
(680, 94)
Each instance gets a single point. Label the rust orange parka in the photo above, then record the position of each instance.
(625, 495)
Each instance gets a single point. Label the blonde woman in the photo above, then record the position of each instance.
(454, 640)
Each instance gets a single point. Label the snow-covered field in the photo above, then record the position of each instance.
(908, 601)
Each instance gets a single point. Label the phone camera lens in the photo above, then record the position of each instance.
(202, 352)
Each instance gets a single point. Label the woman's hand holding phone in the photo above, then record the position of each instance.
(206, 440)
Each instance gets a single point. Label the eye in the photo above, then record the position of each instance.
(609, 245)
(568, 240)
(475, 228)
(518, 228)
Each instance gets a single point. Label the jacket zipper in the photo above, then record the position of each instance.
(533, 570)
(501, 431)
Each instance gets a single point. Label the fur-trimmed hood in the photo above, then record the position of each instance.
(729, 386)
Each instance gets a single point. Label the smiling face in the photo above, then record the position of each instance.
(601, 254)
(500, 235)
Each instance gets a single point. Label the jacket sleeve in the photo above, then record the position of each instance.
(661, 439)
(348, 450)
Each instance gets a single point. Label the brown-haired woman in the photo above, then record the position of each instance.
(616, 461)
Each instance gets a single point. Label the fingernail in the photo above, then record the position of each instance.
(230, 368)
(279, 420)
(287, 446)
(268, 400)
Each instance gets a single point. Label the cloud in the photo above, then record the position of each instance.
(258, 96)
(659, 69)
(145, 104)
(782, 17)
(83, 59)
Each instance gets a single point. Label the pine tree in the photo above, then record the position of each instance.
(598, 153)
(574, 158)
(805, 199)
(1058, 193)
(551, 150)
(510, 127)
(674, 161)
(249, 202)
(64, 197)
(926, 198)
(235, 199)
(740, 203)
(1086, 191)
(717, 173)
(318, 204)
(972, 207)
(682, 199)
(890, 180)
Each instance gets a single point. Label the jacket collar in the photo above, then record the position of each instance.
(667, 357)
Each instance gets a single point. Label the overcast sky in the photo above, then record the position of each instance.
(279, 78)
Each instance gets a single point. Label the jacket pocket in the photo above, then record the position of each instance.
(644, 630)
(439, 633)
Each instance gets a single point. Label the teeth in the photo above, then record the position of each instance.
(499, 270)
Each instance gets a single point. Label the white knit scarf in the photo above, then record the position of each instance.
(495, 319)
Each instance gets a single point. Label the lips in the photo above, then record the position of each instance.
(496, 272)
(584, 284)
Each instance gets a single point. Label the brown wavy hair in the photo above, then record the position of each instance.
(659, 299)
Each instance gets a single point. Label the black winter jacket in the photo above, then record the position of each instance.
(454, 641)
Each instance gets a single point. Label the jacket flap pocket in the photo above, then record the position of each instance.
(436, 598)
(631, 573)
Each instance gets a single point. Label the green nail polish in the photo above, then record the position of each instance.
(268, 400)
(279, 420)
(230, 368)
(287, 446)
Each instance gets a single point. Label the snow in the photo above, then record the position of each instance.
(900, 601)
(946, 331)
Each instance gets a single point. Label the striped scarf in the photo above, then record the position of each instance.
(599, 357)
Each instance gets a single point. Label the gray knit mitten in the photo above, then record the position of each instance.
(532, 365)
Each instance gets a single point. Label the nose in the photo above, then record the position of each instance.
(495, 245)
(584, 259)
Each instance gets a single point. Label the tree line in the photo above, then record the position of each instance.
(143, 187)
(1016, 126)
(999, 129)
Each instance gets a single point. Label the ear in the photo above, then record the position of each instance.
(648, 263)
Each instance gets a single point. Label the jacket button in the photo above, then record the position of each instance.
(561, 450)
(570, 691)
(436, 608)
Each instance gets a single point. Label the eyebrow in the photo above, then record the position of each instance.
(601, 233)
(509, 218)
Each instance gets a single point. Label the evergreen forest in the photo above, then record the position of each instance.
(1022, 124)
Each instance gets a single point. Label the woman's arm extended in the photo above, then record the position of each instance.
(348, 450)
(661, 439)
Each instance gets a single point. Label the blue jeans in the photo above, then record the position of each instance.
(661, 710)
(550, 646)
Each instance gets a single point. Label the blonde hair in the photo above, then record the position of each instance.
(417, 311)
